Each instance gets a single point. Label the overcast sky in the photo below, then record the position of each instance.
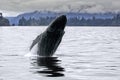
(14, 7)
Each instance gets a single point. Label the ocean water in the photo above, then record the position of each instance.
(85, 53)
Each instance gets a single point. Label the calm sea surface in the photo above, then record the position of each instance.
(85, 53)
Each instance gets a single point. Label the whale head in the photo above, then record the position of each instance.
(58, 24)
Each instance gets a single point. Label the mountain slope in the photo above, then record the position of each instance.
(45, 14)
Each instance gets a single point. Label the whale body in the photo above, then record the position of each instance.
(48, 41)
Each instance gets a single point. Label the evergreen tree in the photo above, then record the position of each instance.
(22, 22)
(4, 21)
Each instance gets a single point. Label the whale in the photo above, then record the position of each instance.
(48, 41)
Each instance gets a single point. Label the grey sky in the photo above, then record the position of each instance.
(14, 7)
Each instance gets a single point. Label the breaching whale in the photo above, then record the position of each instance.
(49, 40)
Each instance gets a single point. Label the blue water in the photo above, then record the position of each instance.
(85, 53)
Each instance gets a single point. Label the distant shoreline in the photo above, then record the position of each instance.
(39, 18)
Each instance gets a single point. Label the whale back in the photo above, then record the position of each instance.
(49, 43)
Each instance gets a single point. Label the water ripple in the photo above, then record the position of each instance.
(48, 66)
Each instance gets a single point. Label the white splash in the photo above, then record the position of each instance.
(33, 51)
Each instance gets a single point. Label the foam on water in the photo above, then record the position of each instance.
(32, 52)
